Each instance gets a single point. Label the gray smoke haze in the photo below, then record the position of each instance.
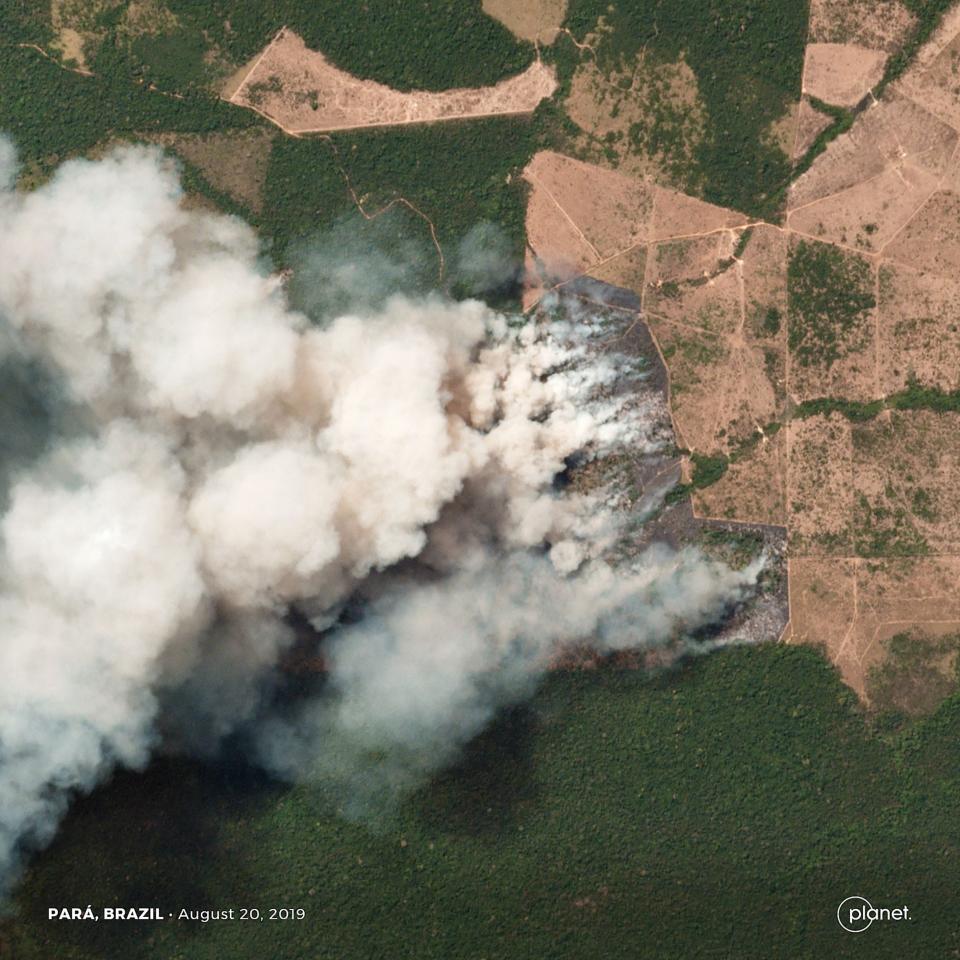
(204, 461)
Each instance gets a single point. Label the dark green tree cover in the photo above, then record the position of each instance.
(748, 59)
(414, 44)
(914, 397)
(53, 113)
(455, 174)
(720, 810)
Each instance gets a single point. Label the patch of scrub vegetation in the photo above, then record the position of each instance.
(915, 676)
(711, 811)
(646, 121)
(829, 296)
(426, 45)
(883, 527)
(747, 58)
(853, 410)
(766, 320)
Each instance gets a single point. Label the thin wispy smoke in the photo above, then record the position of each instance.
(206, 461)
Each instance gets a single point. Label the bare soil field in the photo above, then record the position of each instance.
(753, 490)
(820, 486)
(841, 73)
(934, 82)
(699, 364)
(868, 214)
(302, 92)
(851, 606)
(695, 282)
(626, 269)
(918, 328)
(879, 173)
(535, 20)
(558, 245)
(931, 240)
(678, 215)
(611, 211)
(581, 216)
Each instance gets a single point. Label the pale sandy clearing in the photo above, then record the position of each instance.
(581, 215)
(891, 135)
(931, 240)
(850, 606)
(302, 92)
(918, 328)
(610, 210)
(819, 486)
(535, 20)
(841, 73)
(933, 78)
(752, 490)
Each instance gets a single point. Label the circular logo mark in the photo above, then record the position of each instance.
(854, 914)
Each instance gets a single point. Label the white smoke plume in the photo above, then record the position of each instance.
(217, 462)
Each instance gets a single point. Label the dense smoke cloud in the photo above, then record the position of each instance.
(209, 461)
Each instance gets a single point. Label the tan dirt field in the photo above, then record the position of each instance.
(302, 92)
(678, 215)
(918, 328)
(610, 210)
(851, 606)
(869, 214)
(841, 73)
(877, 24)
(753, 490)
(535, 20)
(559, 246)
(931, 240)
(819, 486)
(627, 269)
(581, 216)
(896, 135)
(687, 282)
(699, 365)
(935, 83)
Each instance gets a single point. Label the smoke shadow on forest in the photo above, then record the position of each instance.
(150, 834)
(492, 783)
